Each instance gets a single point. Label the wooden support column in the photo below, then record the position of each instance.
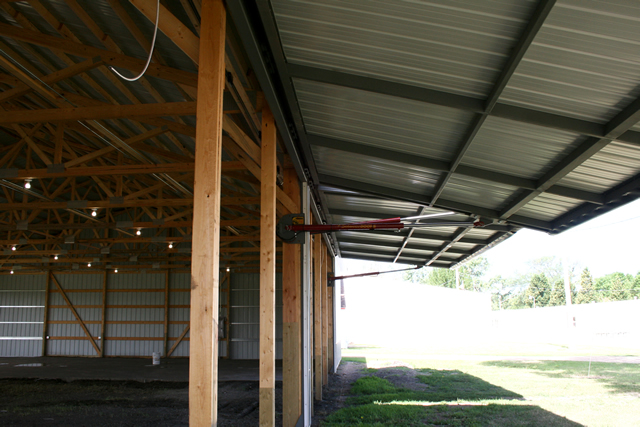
(331, 304)
(291, 317)
(203, 361)
(317, 315)
(165, 344)
(45, 322)
(268, 271)
(104, 313)
(325, 317)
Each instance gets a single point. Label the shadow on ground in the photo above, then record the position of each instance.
(402, 396)
(618, 377)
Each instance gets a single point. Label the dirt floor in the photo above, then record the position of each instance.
(29, 402)
(50, 402)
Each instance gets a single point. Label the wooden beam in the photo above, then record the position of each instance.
(103, 319)
(75, 314)
(268, 271)
(165, 346)
(291, 317)
(99, 113)
(331, 304)
(317, 315)
(177, 343)
(115, 170)
(325, 316)
(172, 27)
(119, 60)
(203, 363)
(45, 323)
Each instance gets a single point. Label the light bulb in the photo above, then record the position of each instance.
(228, 269)
(170, 245)
(116, 270)
(94, 213)
(13, 248)
(11, 271)
(138, 233)
(55, 257)
(27, 183)
(89, 265)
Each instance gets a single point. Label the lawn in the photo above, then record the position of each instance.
(421, 390)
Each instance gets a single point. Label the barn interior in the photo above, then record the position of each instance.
(140, 217)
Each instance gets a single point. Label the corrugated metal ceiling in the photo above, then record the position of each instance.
(501, 111)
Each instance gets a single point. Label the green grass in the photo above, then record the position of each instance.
(494, 392)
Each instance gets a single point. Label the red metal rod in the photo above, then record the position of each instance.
(373, 274)
(319, 228)
(379, 221)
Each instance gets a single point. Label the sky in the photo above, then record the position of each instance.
(606, 244)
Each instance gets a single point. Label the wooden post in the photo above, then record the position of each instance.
(331, 314)
(268, 271)
(325, 316)
(165, 345)
(317, 315)
(104, 313)
(291, 317)
(45, 322)
(203, 361)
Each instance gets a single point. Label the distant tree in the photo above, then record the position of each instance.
(587, 292)
(557, 297)
(471, 275)
(615, 287)
(539, 291)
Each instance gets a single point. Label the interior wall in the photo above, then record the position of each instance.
(134, 309)
(22, 300)
(245, 316)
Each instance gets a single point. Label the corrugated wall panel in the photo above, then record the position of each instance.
(22, 300)
(245, 316)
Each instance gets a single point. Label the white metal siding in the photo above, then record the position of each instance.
(245, 316)
(21, 314)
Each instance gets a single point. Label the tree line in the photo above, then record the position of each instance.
(543, 285)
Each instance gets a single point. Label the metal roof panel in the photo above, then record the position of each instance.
(446, 45)
(380, 120)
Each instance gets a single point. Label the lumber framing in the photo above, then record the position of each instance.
(325, 314)
(205, 275)
(317, 316)
(71, 307)
(267, 403)
(291, 317)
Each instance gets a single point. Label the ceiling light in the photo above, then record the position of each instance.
(170, 245)
(94, 212)
(89, 265)
(138, 232)
(115, 271)
(27, 183)
(11, 271)
(228, 269)
(13, 248)
(55, 257)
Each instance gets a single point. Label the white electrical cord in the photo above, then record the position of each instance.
(153, 43)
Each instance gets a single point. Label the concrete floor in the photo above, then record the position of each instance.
(121, 368)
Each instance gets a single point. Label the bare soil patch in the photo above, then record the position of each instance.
(31, 402)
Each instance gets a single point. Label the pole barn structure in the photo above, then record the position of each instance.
(140, 215)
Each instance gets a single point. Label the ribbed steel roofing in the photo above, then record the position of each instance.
(504, 112)
(437, 44)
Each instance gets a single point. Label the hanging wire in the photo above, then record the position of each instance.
(153, 43)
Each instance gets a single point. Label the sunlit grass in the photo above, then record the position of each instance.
(494, 392)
